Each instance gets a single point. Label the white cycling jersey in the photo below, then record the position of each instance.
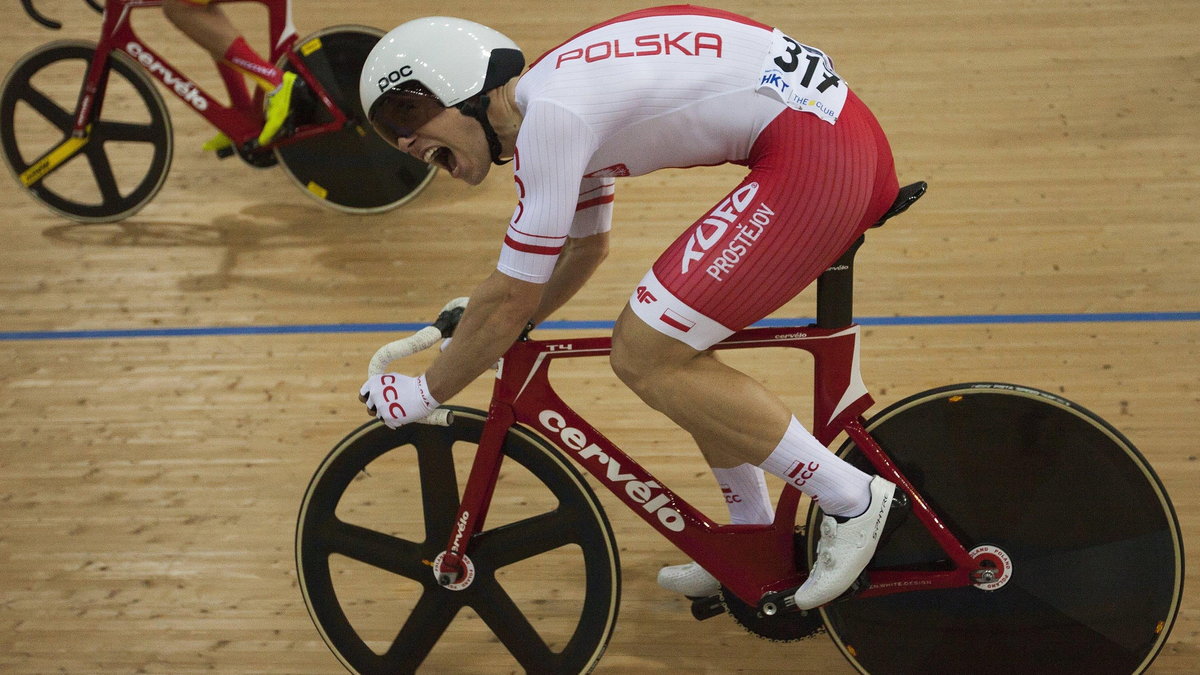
(668, 87)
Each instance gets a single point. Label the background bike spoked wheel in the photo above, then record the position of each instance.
(1094, 551)
(383, 505)
(126, 158)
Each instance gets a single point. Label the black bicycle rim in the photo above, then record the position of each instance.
(350, 169)
(116, 201)
(577, 521)
(1095, 548)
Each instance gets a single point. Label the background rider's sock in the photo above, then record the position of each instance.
(248, 62)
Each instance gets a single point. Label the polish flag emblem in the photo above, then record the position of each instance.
(674, 320)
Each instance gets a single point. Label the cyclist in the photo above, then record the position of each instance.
(665, 87)
(208, 26)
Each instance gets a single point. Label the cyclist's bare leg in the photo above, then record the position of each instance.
(206, 25)
(732, 416)
(736, 420)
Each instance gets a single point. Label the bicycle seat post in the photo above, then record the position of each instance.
(835, 286)
(835, 291)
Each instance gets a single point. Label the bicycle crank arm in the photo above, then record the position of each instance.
(784, 601)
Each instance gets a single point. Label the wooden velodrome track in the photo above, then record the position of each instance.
(149, 483)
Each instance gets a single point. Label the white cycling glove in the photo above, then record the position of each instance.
(397, 399)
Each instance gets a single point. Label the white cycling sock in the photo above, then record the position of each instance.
(800, 459)
(745, 490)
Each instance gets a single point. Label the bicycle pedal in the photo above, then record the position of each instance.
(860, 584)
(779, 602)
(220, 144)
(707, 608)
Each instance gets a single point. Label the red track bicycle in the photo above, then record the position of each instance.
(100, 151)
(1030, 534)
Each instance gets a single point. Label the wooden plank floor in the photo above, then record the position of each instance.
(149, 485)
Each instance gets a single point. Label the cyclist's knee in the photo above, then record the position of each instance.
(629, 354)
(642, 357)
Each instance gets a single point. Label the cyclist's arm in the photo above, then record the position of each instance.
(579, 259)
(497, 313)
(548, 212)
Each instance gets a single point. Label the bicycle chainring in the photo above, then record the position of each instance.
(784, 626)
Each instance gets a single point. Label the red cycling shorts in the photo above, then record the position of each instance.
(813, 188)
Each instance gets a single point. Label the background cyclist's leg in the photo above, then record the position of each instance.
(205, 24)
(210, 28)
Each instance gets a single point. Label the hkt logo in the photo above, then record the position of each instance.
(648, 494)
(709, 231)
(186, 90)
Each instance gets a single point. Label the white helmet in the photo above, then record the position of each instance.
(441, 58)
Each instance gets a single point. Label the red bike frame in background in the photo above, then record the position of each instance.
(751, 560)
(242, 119)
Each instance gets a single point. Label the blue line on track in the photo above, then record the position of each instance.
(1110, 317)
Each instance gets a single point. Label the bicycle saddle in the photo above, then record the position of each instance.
(908, 196)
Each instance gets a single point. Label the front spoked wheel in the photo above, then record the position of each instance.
(382, 506)
(123, 161)
(1084, 542)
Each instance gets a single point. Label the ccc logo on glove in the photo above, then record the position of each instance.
(390, 395)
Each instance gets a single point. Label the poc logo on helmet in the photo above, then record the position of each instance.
(393, 78)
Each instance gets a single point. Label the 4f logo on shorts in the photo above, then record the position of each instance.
(644, 295)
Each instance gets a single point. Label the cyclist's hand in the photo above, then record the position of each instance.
(397, 399)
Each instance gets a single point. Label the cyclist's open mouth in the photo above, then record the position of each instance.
(442, 157)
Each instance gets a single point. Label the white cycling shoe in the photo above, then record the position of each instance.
(690, 579)
(845, 549)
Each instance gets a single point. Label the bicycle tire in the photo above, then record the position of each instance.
(1095, 555)
(351, 169)
(74, 199)
(545, 510)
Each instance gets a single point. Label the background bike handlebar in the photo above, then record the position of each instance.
(47, 21)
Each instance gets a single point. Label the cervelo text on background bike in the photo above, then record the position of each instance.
(101, 151)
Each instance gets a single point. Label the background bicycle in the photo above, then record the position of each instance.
(104, 153)
(150, 483)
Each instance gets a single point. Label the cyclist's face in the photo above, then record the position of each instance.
(453, 142)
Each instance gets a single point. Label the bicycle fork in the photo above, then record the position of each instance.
(452, 568)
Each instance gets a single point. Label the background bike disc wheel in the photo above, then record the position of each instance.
(128, 153)
(351, 169)
(1095, 558)
(382, 506)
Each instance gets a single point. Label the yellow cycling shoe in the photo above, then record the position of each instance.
(278, 104)
(217, 143)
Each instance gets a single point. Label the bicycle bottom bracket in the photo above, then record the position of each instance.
(994, 567)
